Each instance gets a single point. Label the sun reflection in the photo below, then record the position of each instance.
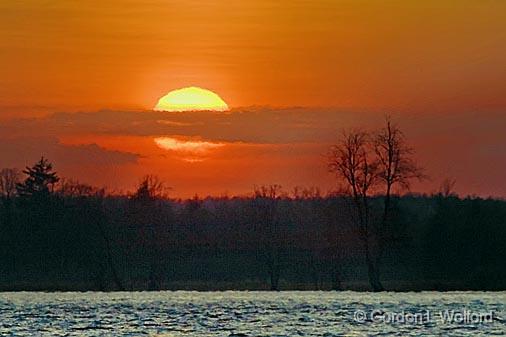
(190, 146)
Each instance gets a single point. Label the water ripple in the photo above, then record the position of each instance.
(242, 314)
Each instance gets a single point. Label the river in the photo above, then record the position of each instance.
(242, 313)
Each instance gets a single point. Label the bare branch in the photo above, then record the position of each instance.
(395, 162)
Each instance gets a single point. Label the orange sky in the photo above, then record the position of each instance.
(423, 61)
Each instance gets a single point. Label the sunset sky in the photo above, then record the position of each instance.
(79, 81)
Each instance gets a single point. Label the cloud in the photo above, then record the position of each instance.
(20, 152)
(253, 125)
(465, 146)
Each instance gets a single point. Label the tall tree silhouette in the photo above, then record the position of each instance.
(266, 203)
(395, 167)
(368, 162)
(40, 179)
(351, 161)
(147, 212)
(9, 178)
(395, 162)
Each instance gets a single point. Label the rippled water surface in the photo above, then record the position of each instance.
(252, 314)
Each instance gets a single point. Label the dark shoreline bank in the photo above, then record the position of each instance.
(247, 286)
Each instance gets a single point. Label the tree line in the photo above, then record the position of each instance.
(371, 234)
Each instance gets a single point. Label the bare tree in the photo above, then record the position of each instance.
(266, 202)
(395, 167)
(151, 188)
(74, 188)
(70, 188)
(301, 192)
(447, 188)
(146, 207)
(9, 178)
(395, 162)
(101, 225)
(365, 163)
(351, 161)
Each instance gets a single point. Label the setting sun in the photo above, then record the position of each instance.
(191, 99)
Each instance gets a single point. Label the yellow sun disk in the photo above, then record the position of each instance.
(191, 99)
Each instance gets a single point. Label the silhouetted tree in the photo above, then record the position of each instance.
(446, 189)
(351, 161)
(72, 188)
(395, 166)
(90, 201)
(146, 210)
(266, 201)
(78, 237)
(150, 188)
(9, 178)
(40, 179)
(365, 163)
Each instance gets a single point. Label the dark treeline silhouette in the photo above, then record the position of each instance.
(58, 234)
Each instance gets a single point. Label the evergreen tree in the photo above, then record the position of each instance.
(40, 179)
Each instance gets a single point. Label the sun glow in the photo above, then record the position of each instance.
(191, 99)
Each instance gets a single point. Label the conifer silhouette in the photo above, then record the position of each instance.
(40, 179)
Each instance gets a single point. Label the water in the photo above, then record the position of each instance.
(251, 314)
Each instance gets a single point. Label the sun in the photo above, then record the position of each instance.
(191, 99)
